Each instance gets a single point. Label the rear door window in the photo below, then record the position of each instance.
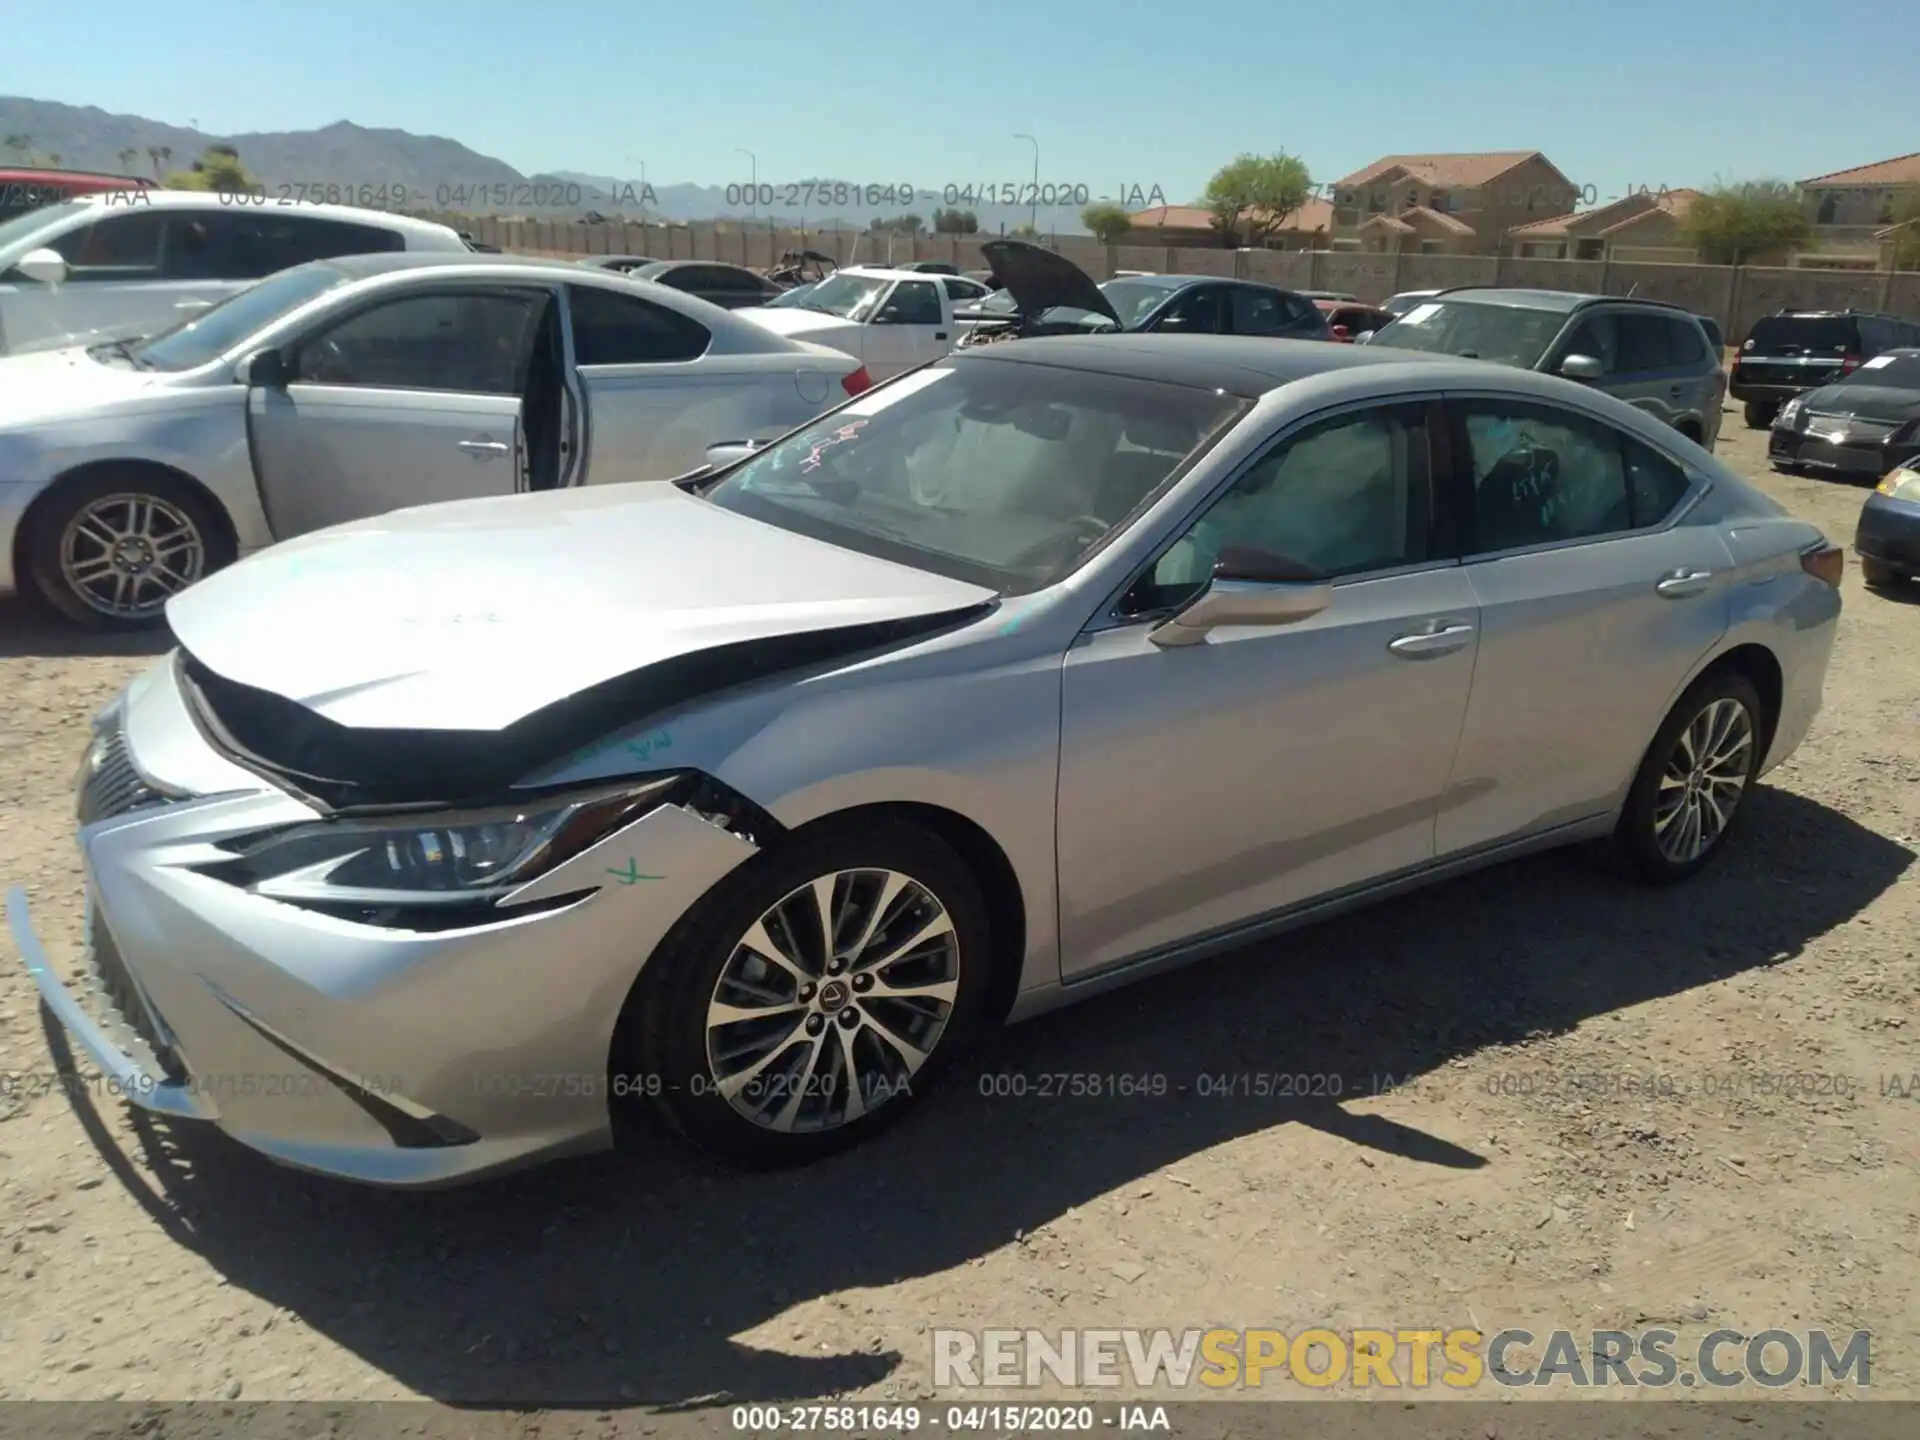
(614, 329)
(1258, 312)
(1684, 341)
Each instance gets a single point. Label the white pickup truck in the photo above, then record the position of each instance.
(890, 320)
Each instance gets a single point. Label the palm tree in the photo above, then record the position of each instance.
(17, 143)
(153, 154)
(128, 156)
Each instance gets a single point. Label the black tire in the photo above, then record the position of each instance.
(46, 535)
(1759, 413)
(1879, 574)
(660, 1045)
(1635, 844)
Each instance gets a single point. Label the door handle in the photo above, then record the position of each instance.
(1443, 638)
(485, 449)
(939, 334)
(1679, 584)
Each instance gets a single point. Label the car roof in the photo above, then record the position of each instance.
(1245, 365)
(1566, 301)
(211, 200)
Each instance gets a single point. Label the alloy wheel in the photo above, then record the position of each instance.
(833, 1000)
(126, 555)
(1703, 781)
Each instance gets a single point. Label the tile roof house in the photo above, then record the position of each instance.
(1858, 215)
(1306, 229)
(1460, 204)
(1644, 226)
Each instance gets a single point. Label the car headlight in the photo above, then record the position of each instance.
(1789, 413)
(436, 859)
(1901, 484)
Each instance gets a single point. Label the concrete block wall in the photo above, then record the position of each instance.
(1734, 296)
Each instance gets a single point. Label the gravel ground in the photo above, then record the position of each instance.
(1490, 1162)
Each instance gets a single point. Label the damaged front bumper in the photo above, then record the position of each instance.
(385, 1056)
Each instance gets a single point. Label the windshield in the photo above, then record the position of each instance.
(1000, 475)
(852, 297)
(1898, 371)
(1400, 304)
(1506, 334)
(1803, 335)
(14, 231)
(1131, 300)
(791, 297)
(213, 332)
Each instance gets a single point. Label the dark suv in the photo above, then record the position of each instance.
(1791, 352)
(1655, 356)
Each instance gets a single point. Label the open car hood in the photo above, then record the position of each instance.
(1038, 279)
(451, 649)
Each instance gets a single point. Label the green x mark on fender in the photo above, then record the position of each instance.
(632, 874)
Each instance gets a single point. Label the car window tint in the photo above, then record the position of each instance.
(961, 292)
(1644, 343)
(121, 247)
(1197, 312)
(1597, 336)
(467, 344)
(1887, 372)
(1542, 474)
(614, 329)
(1259, 312)
(250, 244)
(1685, 341)
(913, 302)
(1654, 483)
(1345, 496)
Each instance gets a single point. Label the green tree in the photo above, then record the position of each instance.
(21, 145)
(1753, 220)
(897, 225)
(955, 222)
(128, 156)
(1252, 196)
(1027, 232)
(218, 168)
(1108, 221)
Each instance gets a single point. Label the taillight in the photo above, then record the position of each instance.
(1849, 364)
(858, 381)
(1825, 562)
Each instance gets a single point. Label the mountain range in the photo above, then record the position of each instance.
(436, 173)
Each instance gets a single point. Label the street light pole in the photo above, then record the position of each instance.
(1033, 212)
(643, 186)
(756, 177)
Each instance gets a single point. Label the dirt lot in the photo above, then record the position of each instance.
(1486, 1187)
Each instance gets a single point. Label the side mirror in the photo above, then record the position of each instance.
(265, 367)
(1249, 587)
(889, 316)
(45, 267)
(1582, 367)
(1341, 332)
(731, 452)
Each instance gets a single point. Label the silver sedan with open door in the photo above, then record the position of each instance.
(347, 388)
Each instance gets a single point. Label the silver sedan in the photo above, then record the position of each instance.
(448, 841)
(348, 388)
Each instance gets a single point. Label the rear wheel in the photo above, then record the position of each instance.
(1879, 574)
(813, 996)
(1693, 780)
(1760, 413)
(108, 550)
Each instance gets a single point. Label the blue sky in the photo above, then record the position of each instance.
(1618, 93)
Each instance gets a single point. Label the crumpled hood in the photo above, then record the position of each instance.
(50, 384)
(472, 615)
(1038, 279)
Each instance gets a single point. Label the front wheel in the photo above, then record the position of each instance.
(812, 996)
(1693, 780)
(109, 550)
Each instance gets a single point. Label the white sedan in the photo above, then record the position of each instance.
(343, 389)
(890, 320)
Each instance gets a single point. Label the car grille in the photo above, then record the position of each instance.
(109, 783)
(110, 786)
